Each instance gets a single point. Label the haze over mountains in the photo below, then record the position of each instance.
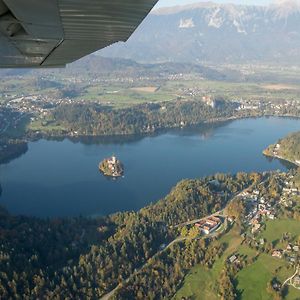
(216, 33)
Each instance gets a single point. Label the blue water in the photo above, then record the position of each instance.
(61, 178)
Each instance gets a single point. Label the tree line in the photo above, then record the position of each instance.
(83, 258)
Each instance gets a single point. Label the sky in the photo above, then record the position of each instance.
(163, 3)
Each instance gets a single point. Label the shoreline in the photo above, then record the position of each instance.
(156, 132)
(111, 167)
(282, 158)
(125, 138)
(249, 124)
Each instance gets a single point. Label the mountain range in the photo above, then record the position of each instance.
(219, 33)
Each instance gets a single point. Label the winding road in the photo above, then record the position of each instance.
(177, 240)
(289, 280)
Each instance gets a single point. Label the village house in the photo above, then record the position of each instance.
(271, 216)
(232, 259)
(262, 200)
(292, 260)
(255, 228)
(277, 253)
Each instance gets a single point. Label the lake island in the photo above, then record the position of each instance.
(112, 167)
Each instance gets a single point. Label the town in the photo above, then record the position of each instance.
(262, 211)
(37, 108)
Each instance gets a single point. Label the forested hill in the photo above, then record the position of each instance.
(85, 258)
(98, 120)
(97, 66)
(287, 148)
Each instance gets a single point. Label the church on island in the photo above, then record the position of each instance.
(112, 167)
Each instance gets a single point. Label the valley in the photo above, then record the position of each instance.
(161, 252)
(166, 167)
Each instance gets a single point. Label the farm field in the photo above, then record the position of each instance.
(276, 228)
(201, 283)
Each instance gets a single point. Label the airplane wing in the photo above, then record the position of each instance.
(51, 33)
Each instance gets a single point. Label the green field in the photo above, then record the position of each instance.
(239, 90)
(38, 126)
(198, 284)
(127, 94)
(276, 228)
(124, 96)
(120, 96)
(201, 283)
(253, 279)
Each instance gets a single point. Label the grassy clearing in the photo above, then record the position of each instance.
(146, 89)
(253, 279)
(201, 283)
(237, 90)
(121, 97)
(246, 251)
(293, 294)
(198, 284)
(279, 87)
(38, 126)
(276, 228)
(127, 95)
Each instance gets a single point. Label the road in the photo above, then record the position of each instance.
(111, 293)
(290, 278)
(218, 213)
(177, 240)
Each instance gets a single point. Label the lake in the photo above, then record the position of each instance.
(61, 178)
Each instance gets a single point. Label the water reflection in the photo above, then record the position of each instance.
(288, 165)
(12, 151)
(204, 131)
(60, 177)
